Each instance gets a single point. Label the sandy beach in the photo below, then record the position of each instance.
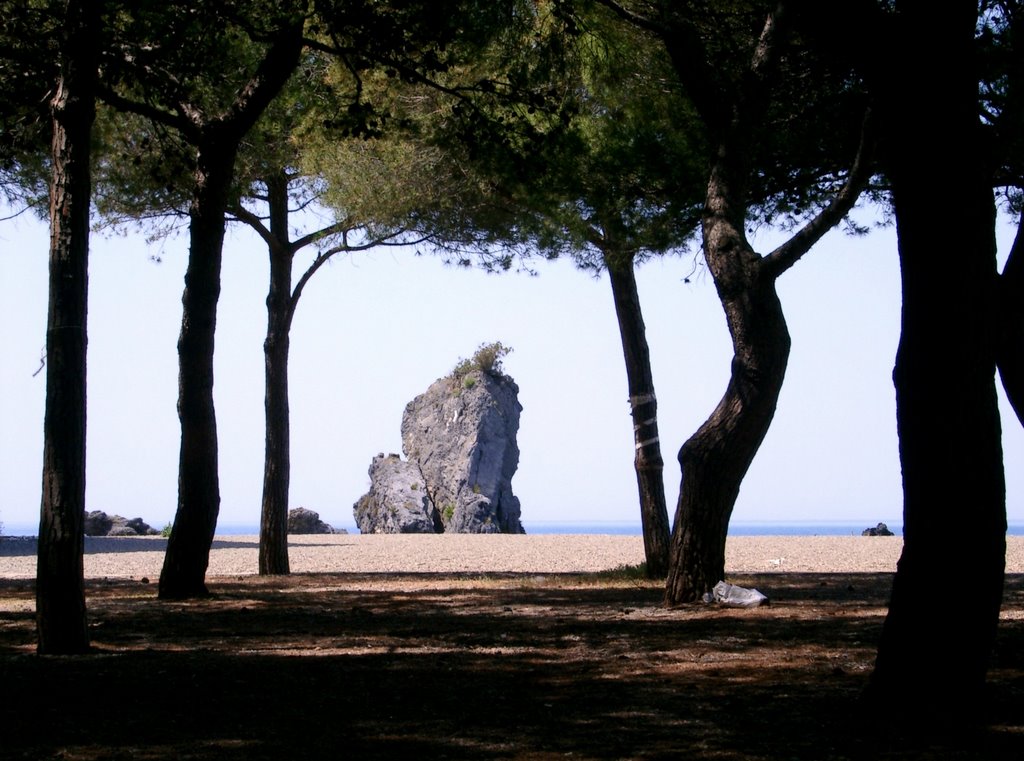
(138, 557)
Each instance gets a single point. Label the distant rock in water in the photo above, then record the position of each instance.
(460, 440)
(303, 521)
(98, 523)
(880, 530)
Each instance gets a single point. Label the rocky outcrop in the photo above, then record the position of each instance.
(461, 433)
(397, 502)
(880, 530)
(303, 521)
(460, 440)
(98, 523)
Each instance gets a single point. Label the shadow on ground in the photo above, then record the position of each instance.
(487, 667)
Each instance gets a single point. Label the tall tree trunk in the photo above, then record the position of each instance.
(188, 550)
(716, 458)
(277, 458)
(60, 590)
(216, 141)
(643, 404)
(947, 415)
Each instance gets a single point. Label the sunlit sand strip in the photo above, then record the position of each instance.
(460, 553)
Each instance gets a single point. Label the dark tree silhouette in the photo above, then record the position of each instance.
(212, 112)
(736, 97)
(188, 549)
(60, 593)
(947, 415)
(282, 301)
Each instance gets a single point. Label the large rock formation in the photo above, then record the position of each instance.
(397, 502)
(460, 440)
(98, 523)
(303, 521)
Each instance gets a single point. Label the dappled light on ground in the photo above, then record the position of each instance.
(492, 666)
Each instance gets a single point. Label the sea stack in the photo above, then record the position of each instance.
(459, 438)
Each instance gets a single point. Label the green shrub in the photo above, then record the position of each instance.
(166, 531)
(487, 359)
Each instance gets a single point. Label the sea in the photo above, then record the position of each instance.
(622, 528)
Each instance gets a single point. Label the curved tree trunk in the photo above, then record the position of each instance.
(188, 550)
(277, 462)
(60, 590)
(716, 458)
(643, 404)
(946, 404)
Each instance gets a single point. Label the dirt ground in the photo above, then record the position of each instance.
(495, 666)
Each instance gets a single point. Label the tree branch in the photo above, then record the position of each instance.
(755, 85)
(691, 63)
(633, 18)
(148, 111)
(323, 256)
(343, 226)
(254, 221)
(790, 252)
(406, 72)
(731, 118)
(273, 71)
(30, 205)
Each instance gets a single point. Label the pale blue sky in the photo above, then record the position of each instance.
(375, 329)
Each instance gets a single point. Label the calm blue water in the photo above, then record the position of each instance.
(632, 528)
(629, 528)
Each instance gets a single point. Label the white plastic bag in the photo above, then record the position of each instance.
(733, 596)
